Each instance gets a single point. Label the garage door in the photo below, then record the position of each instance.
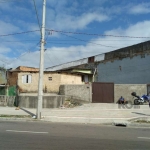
(102, 92)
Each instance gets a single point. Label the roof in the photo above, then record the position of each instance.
(82, 71)
(24, 69)
(73, 64)
(121, 53)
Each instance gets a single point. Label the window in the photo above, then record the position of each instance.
(26, 78)
(85, 78)
(50, 78)
(91, 59)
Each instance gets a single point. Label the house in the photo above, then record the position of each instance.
(128, 65)
(26, 79)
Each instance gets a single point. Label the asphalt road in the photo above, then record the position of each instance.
(52, 136)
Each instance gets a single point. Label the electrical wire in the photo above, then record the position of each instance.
(68, 42)
(94, 34)
(18, 33)
(58, 43)
(62, 32)
(50, 59)
(87, 41)
(9, 1)
(37, 15)
(19, 41)
(26, 52)
(51, 51)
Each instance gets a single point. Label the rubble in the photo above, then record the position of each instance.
(70, 104)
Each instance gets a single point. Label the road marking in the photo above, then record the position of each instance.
(147, 138)
(26, 132)
(86, 117)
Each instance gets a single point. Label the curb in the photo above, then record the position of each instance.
(138, 125)
(15, 119)
(140, 118)
(107, 122)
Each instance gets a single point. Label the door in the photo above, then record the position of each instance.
(102, 92)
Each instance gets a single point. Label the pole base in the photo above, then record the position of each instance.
(17, 108)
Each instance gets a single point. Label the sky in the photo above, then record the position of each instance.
(75, 29)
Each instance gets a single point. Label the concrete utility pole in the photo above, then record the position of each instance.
(40, 87)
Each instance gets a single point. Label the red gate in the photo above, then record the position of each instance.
(102, 92)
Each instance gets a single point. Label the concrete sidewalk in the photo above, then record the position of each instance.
(87, 113)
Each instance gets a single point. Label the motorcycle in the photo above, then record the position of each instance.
(140, 100)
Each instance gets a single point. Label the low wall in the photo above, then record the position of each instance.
(81, 93)
(2, 100)
(125, 90)
(48, 101)
(7, 100)
(10, 101)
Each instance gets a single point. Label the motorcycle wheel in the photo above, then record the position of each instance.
(136, 102)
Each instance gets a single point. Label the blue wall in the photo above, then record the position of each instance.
(134, 70)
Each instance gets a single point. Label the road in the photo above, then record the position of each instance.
(58, 136)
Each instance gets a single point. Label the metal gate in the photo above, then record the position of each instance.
(148, 88)
(102, 92)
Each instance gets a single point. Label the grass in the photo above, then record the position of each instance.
(142, 121)
(15, 116)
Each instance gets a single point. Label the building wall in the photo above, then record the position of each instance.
(133, 70)
(52, 85)
(48, 85)
(51, 82)
(12, 78)
(71, 79)
(77, 92)
(2, 76)
(58, 79)
(28, 87)
(125, 90)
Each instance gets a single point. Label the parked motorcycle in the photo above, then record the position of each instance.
(140, 100)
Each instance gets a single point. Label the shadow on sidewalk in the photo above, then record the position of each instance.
(140, 114)
(28, 112)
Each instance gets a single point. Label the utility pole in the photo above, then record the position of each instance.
(40, 86)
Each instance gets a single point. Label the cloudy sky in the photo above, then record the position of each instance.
(90, 18)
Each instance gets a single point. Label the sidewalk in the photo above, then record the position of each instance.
(87, 113)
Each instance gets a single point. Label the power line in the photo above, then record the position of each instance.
(26, 52)
(100, 40)
(58, 43)
(50, 59)
(9, 1)
(88, 41)
(24, 32)
(63, 41)
(18, 41)
(93, 34)
(37, 14)
(52, 51)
